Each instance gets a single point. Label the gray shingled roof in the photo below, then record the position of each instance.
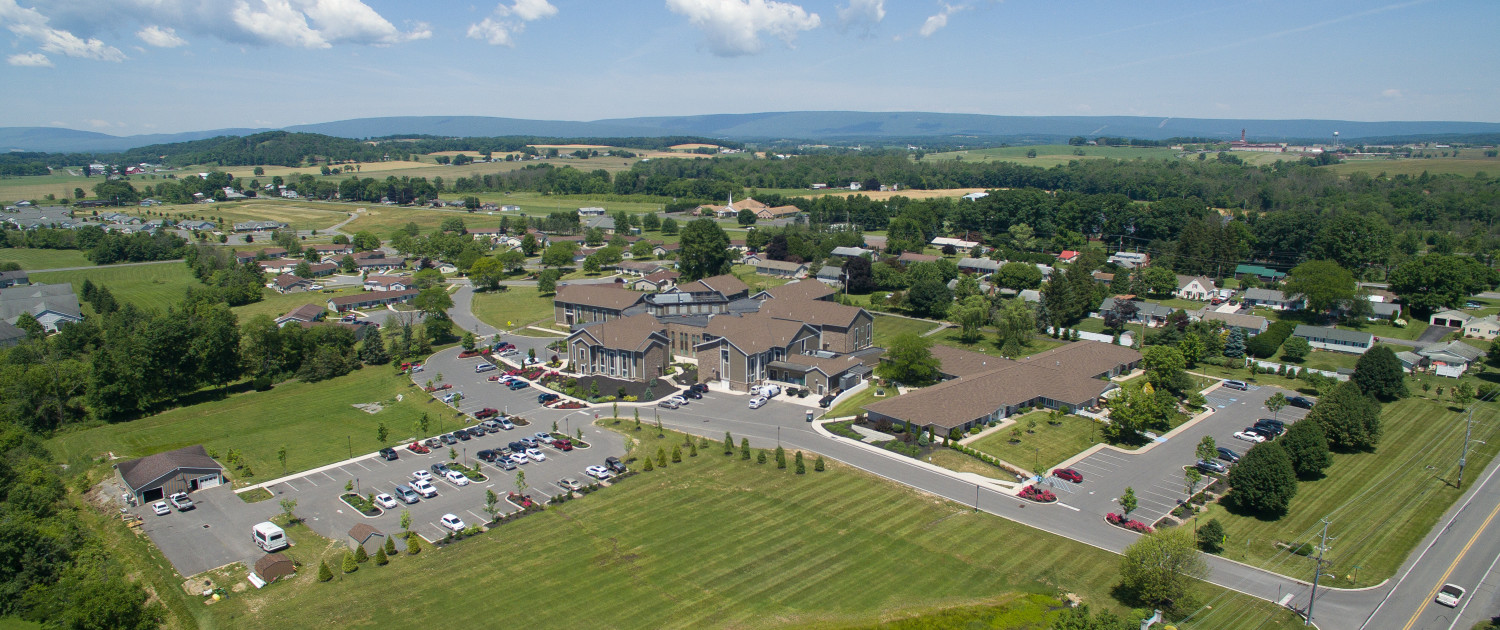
(139, 473)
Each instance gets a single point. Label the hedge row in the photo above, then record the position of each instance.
(1265, 345)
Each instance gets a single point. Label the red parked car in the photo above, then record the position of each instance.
(486, 413)
(1068, 474)
(563, 445)
(416, 447)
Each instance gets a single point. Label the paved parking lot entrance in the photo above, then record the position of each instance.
(214, 533)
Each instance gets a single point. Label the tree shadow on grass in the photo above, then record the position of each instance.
(1233, 507)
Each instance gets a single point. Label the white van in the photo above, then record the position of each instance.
(269, 537)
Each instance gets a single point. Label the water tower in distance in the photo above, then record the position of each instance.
(1336, 140)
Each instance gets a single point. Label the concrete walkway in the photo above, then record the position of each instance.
(871, 436)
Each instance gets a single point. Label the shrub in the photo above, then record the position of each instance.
(380, 558)
(1265, 345)
(761, 457)
(360, 556)
(801, 468)
(1039, 495)
(413, 544)
(261, 384)
(1128, 523)
(818, 464)
(677, 454)
(350, 564)
(649, 466)
(390, 547)
(1211, 536)
(324, 573)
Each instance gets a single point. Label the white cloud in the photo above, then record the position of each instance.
(936, 22)
(31, 24)
(733, 27)
(501, 26)
(96, 123)
(161, 36)
(29, 60)
(295, 23)
(865, 13)
(277, 22)
(1391, 93)
(354, 21)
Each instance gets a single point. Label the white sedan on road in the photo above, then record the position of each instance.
(1249, 436)
(385, 501)
(757, 402)
(453, 522)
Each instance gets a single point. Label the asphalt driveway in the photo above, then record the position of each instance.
(214, 533)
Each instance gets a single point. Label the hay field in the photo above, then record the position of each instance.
(692, 145)
(1463, 165)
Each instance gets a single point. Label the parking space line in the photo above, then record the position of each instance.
(477, 517)
(330, 477)
(289, 485)
(360, 465)
(308, 479)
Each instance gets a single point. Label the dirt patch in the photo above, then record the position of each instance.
(370, 408)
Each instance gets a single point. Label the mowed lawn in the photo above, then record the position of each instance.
(315, 421)
(709, 543)
(300, 215)
(1049, 446)
(1380, 503)
(152, 286)
(513, 307)
(888, 327)
(33, 259)
(277, 304)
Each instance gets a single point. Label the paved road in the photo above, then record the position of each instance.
(462, 312)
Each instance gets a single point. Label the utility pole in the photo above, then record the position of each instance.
(1317, 573)
(1463, 456)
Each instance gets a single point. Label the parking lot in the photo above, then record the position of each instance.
(1157, 475)
(214, 533)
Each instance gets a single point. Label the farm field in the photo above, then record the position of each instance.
(300, 215)
(515, 306)
(32, 259)
(1048, 447)
(1468, 165)
(1381, 503)
(150, 286)
(37, 187)
(804, 557)
(307, 418)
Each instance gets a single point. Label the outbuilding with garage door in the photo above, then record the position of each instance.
(158, 476)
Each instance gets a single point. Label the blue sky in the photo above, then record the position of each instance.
(148, 66)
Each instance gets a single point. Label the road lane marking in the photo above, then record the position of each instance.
(1061, 504)
(1474, 592)
(1451, 566)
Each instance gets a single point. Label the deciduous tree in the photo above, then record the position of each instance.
(910, 361)
(1264, 480)
(1378, 373)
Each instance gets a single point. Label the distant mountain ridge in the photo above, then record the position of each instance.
(798, 125)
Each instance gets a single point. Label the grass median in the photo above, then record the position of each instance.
(713, 541)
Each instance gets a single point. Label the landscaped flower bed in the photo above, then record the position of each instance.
(1120, 520)
(1033, 493)
(361, 504)
(531, 373)
(571, 404)
(519, 500)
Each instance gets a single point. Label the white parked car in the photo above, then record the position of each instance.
(536, 455)
(161, 508)
(510, 353)
(422, 475)
(385, 501)
(757, 402)
(530, 361)
(1450, 595)
(1250, 437)
(519, 458)
(456, 478)
(598, 472)
(678, 399)
(453, 522)
(316, 287)
(424, 488)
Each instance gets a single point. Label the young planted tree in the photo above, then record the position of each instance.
(1128, 502)
(745, 449)
(350, 564)
(491, 504)
(818, 465)
(360, 555)
(413, 545)
(760, 458)
(325, 574)
(801, 468)
(1160, 567)
(728, 444)
(1275, 404)
(1191, 478)
(661, 457)
(1207, 450)
(390, 547)
(381, 559)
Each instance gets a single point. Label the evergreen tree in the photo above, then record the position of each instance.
(360, 555)
(1263, 481)
(324, 573)
(818, 464)
(650, 466)
(390, 547)
(1308, 447)
(1235, 347)
(780, 458)
(728, 444)
(760, 458)
(677, 454)
(661, 457)
(801, 468)
(413, 545)
(380, 558)
(350, 564)
(373, 352)
(745, 449)
(1378, 373)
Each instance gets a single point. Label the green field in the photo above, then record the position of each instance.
(819, 549)
(307, 418)
(153, 286)
(1381, 503)
(1049, 155)
(515, 306)
(854, 405)
(1468, 164)
(299, 214)
(33, 259)
(888, 327)
(986, 343)
(276, 304)
(1049, 446)
(60, 184)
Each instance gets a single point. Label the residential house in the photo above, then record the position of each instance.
(1067, 256)
(605, 224)
(850, 252)
(957, 243)
(1338, 340)
(1266, 274)
(274, 253)
(1411, 361)
(333, 249)
(979, 265)
(10, 279)
(591, 211)
(198, 226)
(375, 282)
(306, 313)
(1104, 278)
(913, 257)
(373, 299)
(286, 283)
(10, 335)
(1451, 359)
(666, 249)
(830, 275)
(1274, 300)
(320, 270)
(1249, 325)
(1148, 313)
(640, 268)
(1487, 327)
(51, 304)
(259, 226)
(1199, 288)
(632, 348)
(1130, 260)
(1073, 376)
(380, 264)
(780, 269)
(243, 257)
(276, 266)
(659, 281)
(876, 243)
(578, 304)
(821, 373)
